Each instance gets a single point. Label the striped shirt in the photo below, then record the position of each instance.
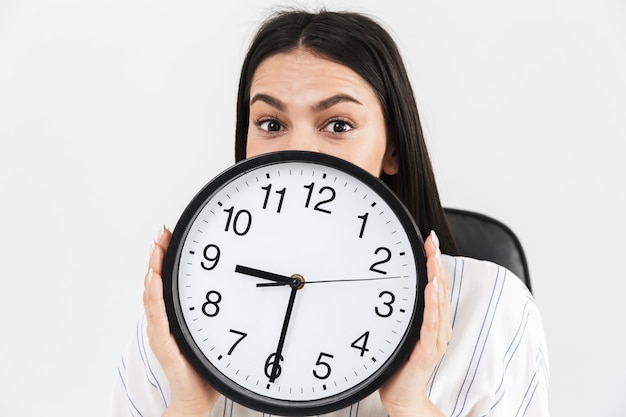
(496, 363)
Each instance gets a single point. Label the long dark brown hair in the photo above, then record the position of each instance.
(361, 44)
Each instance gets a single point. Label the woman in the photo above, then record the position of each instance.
(335, 83)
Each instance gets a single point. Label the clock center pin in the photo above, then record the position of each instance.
(298, 281)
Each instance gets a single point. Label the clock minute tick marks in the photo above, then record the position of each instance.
(320, 390)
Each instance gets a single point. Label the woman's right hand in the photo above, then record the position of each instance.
(191, 395)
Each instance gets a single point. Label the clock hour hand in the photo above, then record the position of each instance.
(270, 276)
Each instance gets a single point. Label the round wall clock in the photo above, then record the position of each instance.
(294, 283)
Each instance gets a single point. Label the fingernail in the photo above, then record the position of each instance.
(149, 277)
(436, 285)
(152, 245)
(160, 233)
(435, 239)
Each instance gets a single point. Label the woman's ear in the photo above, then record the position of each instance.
(390, 160)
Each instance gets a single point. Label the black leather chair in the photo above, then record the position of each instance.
(483, 237)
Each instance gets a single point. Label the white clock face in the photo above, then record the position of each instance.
(295, 282)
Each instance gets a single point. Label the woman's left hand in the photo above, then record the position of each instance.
(405, 393)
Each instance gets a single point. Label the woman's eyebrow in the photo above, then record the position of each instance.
(322, 105)
(331, 101)
(272, 101)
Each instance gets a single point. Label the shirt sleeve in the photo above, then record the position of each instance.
(496, 363)
(523, 370)
(140, 388)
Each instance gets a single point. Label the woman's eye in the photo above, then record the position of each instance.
(338, 126)
(269, 125)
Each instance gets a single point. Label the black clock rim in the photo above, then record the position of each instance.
(212, 375)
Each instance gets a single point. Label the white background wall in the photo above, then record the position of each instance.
(114, 113)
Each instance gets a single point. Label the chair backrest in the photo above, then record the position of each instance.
(483, 237)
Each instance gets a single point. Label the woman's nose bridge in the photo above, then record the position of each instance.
(302, 140)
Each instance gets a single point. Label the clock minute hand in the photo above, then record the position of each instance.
(283, 333)
(270, 276)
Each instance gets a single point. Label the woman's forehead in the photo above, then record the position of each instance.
(300, 72)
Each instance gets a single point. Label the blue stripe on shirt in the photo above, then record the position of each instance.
(150, 376)
(483, 335)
